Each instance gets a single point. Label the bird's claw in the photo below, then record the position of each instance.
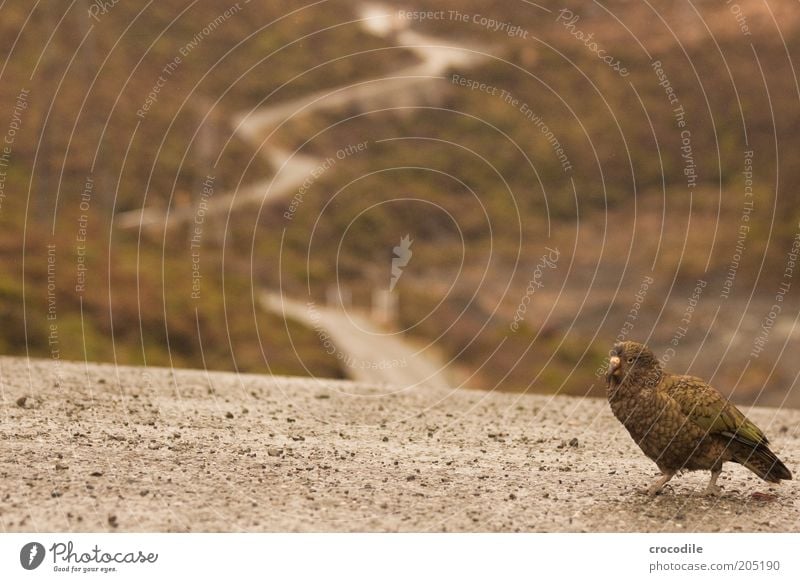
(652, 491)
(710, 491)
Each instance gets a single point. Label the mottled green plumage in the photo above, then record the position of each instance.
(681, 422)
(705, 406)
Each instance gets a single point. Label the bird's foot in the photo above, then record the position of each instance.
(656, 487)
(653, 490)
(714, 491)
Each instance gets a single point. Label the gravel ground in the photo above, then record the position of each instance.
(104, 448)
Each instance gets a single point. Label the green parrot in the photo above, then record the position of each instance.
(682, 423)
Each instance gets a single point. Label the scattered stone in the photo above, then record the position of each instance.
(274, 452)
(112, 521)
(96, 474)
(228, 415)
(573, 442)
(28, 402)
(61, 467)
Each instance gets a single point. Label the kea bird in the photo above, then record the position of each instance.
(682, 423)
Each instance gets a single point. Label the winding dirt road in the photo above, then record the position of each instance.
(366, 353)
(404, 86)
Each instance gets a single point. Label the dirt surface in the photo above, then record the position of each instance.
(97, 448)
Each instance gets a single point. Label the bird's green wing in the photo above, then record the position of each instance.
(710, 410)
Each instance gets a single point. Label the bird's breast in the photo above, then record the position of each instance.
(658, 426)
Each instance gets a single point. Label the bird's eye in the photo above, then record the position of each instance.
(630, 360)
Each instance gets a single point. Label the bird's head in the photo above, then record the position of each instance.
(633, 364)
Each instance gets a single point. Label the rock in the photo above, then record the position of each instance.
(228, 415)
(573, 442)
(28, 402)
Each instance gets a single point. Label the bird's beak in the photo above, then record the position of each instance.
(613, 367)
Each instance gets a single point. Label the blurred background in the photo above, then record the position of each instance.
(476, 193)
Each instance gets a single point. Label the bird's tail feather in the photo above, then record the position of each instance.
(763, 462)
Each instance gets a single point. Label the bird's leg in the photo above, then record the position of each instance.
(712, 488)
(659, 483)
